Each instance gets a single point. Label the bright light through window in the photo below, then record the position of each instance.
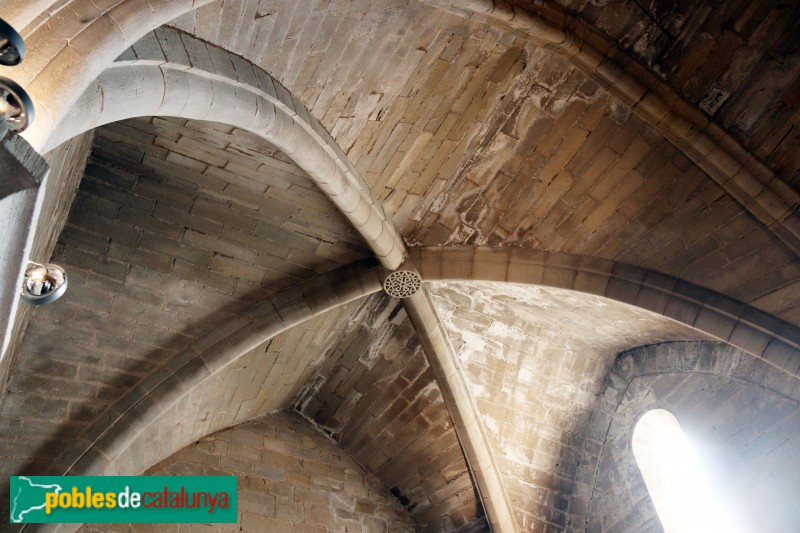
(683, 498)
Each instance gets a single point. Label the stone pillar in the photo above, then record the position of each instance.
(22, 175)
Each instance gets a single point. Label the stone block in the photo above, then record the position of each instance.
(749, 339)
(714, 323)
(682, 310)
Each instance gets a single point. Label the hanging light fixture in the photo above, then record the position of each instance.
(16, 107)
(43, 283)
(12, 47)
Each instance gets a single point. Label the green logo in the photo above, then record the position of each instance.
(123, 499)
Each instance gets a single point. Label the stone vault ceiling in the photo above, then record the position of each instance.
(376, 384)
(737, 61)
(535, 359)
(472, 135)
(187, 237)
(175, 228)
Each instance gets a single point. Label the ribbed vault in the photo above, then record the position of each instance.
(582, 179)
(535, 359)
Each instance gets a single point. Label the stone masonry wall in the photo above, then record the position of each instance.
(291, 478)
(740, 413)
(735, 60)
(160, 248)
(376, 395)
(66, 168)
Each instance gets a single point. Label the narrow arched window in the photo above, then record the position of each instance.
(682, 496)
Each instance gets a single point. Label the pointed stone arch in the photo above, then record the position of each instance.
(738, 324)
